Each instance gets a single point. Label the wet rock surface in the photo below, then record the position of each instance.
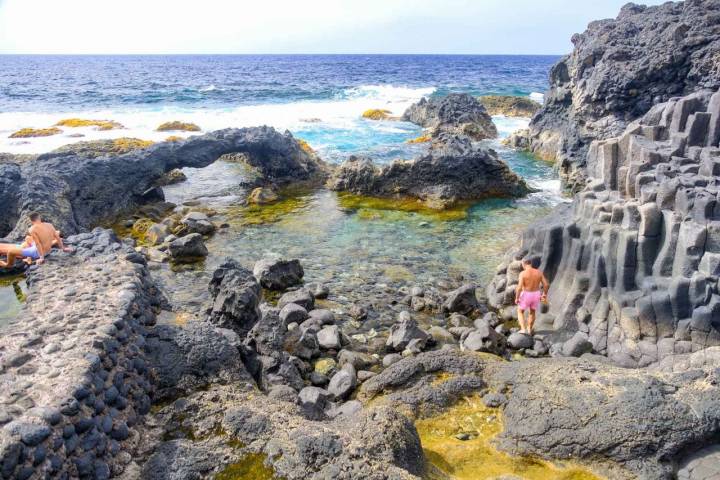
(454, 169)
(618, 70)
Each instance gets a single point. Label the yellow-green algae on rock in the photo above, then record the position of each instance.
(476, 458)
(35, 132)
(290, 200)
(251, 467)
(81, 122)
(373, 208)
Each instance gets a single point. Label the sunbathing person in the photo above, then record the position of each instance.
(39, 243)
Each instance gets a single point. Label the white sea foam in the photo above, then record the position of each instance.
(538, 97)
(341, 113)
(209, 88)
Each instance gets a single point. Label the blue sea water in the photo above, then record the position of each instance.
(40, 83)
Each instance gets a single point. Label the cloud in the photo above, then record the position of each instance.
(289, 26)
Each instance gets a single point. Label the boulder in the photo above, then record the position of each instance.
(322, 316)
(236, 296)
(510, 106)
(301, 297)
(404, 332)
(188, 248)
(519, 341)
(197, 222)
(343, 382)
(462, 300)
(454, 113)
(329, 338)
(278, 273)
(262, 196)
(485, 339)
(293, 313)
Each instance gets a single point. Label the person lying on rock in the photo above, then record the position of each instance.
(42, 236)
(528, 294)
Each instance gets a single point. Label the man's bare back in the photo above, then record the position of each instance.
(528, 295)
(530, 280)
(44, 235)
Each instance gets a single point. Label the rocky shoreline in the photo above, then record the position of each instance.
(263, 376)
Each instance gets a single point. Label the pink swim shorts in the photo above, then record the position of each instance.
(530, 300)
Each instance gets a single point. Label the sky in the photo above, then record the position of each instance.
(295, 26)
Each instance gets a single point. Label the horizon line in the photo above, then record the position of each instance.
(293, 54)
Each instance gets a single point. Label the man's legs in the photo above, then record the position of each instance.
(531, 321)
(11, 253)
(521, 320)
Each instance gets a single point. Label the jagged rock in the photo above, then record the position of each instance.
(278, 273)
(454, 169)
(404, 332)
(188, 358)
(301, 297)
(188, 248)
(197, 222)
(632, 260)
(462, 300)
(618, 70)
(236, 297)
(76, 189)
(172, 177)
(322, 316)
(262, 196)
(485, 339)
(454, 113)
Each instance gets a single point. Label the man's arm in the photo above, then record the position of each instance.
(59, 241)
(519, 289)
(546, 285)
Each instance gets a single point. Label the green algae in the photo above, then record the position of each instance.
(289, 201)
(376, 208)
(475, 457)
(250, 467)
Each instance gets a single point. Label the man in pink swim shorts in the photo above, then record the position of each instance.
(528, 294)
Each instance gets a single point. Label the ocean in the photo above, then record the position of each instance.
(219, 91)
(320, 99)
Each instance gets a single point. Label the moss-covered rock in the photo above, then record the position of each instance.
(98, 148)
(36, 132)
(420, 139)
(80, 122)
(378, 114)
(510, 106)
(178, 126)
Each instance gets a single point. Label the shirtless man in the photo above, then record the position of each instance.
(42, 238)
(528, 294)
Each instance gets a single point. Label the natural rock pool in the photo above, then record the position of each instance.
(362, 249)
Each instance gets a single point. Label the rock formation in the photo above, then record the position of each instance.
(76, 190)
(620, 68)
(454, 169)
(457, 113)
(634, 260)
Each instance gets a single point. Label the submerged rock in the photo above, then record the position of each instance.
(453, 170)
(456, 113)
(403, 333)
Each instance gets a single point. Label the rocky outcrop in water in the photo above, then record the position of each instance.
(634, 260)
(620, 68)
(76, 190)
(456, 113)
(454, 169)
